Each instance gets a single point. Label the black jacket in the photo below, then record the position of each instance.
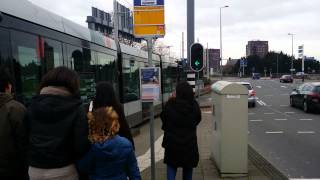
(58, 131)
(179, 122)
(13, 138)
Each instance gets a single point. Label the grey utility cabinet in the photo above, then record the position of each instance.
(230, 134)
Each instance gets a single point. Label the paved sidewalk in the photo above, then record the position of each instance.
(206, 169)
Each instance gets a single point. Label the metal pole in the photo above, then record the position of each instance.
(198, 85)
(190, 26)
(221, 58)
(277, 65)
(220, 45)
(115, 21)
(153, 167)
(292, 55)
(182, 45)
(208, 62)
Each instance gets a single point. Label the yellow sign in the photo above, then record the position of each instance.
(149, 21)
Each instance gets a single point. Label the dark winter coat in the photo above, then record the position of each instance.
(58, 131)
(113, 159)
(179, 122)
(13, 138)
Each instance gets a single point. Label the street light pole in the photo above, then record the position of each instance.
(221, 69)
(290, 34)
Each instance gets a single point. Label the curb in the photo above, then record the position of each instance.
(264, 165)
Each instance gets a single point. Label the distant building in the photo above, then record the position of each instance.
(102, 21)
(258, 48)
(214, 60)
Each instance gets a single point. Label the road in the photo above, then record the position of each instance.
(286, 136)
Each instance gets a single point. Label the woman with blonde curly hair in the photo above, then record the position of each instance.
(110, 156)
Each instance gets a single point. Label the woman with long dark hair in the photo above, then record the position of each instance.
(57, 127)
(106, 97)
(180, 118)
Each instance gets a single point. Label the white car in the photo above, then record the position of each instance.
(251, 94)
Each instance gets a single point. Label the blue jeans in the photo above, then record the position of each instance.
(172, 171)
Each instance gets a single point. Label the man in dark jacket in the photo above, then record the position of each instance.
(13, 138)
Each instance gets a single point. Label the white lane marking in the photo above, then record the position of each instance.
(144, 160)
(207, 112)
(268, 95)
(305, 119)
(251, 113)
(269, 105)
(256, 120)
(284, 94)
(306, 132)
(284, 105)
(259, 87)
(261, 103)
(289, 112)
(274, 132)
(268, 113)
(280, 119)
(284, 86)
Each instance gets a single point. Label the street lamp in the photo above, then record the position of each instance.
(221, 69)
(290, 34)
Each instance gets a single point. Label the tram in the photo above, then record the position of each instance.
(34, 40)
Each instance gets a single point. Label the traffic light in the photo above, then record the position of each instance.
(196, 57)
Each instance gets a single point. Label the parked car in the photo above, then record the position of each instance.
(256, 75)
(286, 79)
(306, 96)
(251, 94)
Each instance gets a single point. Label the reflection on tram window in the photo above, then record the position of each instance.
(52, 54)
(106, 68)
(131, 83)
(4, 49)
(80, 59)
(27, 65)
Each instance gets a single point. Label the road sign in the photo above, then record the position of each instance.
(148, 18)
(243, 62)
(196, 55)
(292, 70)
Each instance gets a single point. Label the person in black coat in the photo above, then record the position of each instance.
(106, 96)
(180, 118)
(57, 127)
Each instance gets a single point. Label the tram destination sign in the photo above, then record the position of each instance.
(148, 18)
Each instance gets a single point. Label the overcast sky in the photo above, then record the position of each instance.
(244, 20)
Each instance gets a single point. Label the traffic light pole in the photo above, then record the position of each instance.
(198, 81)
(151, 108)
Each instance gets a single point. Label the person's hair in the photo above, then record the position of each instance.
(5, 78)
(184, 91)
(106, 96)
(103, 124)
(62, 77)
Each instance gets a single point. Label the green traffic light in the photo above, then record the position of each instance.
(197, 63)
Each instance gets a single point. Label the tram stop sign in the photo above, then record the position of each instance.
(196, 57)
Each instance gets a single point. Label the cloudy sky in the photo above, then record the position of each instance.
(244, 20)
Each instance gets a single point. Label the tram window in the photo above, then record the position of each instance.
(131, 84)
(167, 78)
(27, 65)
(4, 48)
(106, 68)
(81, 60)
(52, 54)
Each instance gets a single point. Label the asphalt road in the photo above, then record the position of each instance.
(286, 136)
